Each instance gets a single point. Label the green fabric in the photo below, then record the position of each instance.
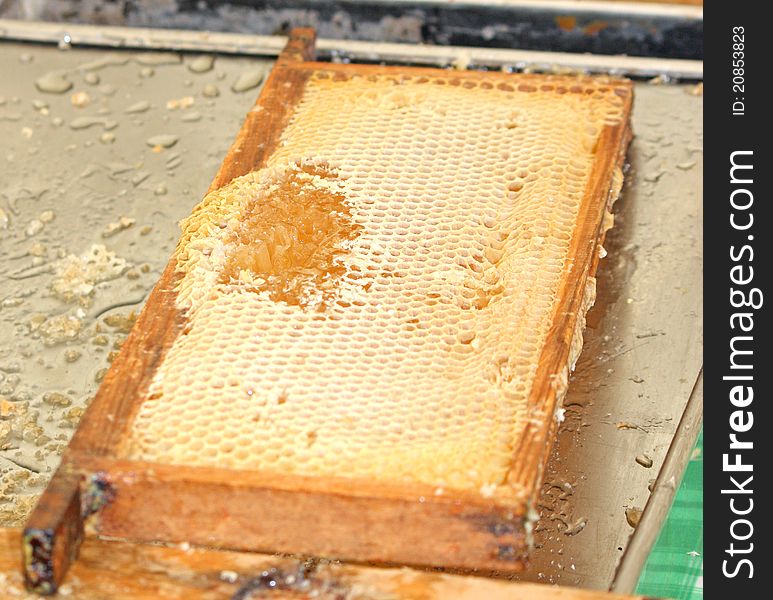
(674, 568)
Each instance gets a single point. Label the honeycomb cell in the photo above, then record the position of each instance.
(374, 302)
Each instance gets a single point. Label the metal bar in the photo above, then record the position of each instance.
(601, 7)
(635, 29)
(544, 25)
(519, 59)
(233, 43)
(663, 493)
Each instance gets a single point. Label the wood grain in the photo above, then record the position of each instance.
(105, 423)
(53, 533)
(126, 571)
(264, 124)
(350, 519)
(535, 443)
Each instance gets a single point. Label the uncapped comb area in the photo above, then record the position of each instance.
(375, 301)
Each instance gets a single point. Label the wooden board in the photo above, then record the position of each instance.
(97, 487)
(122, 570)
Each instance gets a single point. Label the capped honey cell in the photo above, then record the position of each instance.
(374, 302)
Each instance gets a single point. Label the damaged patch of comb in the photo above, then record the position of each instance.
(292, 237)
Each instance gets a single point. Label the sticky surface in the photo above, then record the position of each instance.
(405, 347)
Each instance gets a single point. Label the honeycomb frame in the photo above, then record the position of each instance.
(402, 521)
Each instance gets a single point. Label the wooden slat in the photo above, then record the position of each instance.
(53, 533)
(107, 419)
(47, 553)
(356, 520)
(125, 571)
(264, 124)
(535, 443)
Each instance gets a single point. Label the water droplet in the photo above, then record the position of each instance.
(174, 161)
(140, 177)
(201, 64)
(86, 122)
(53, 83)
(210, 91)
(191, 117)
(116, 168)
(138, 107)
(644, 460)
(163, 140)
(248, 80)
(633, 516)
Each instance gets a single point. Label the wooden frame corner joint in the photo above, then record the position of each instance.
(301, 46)
(96, 492)
(53, 534)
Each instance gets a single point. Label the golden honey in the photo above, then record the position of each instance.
(374, 302)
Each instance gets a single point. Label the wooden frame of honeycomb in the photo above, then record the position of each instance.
(112, 483)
